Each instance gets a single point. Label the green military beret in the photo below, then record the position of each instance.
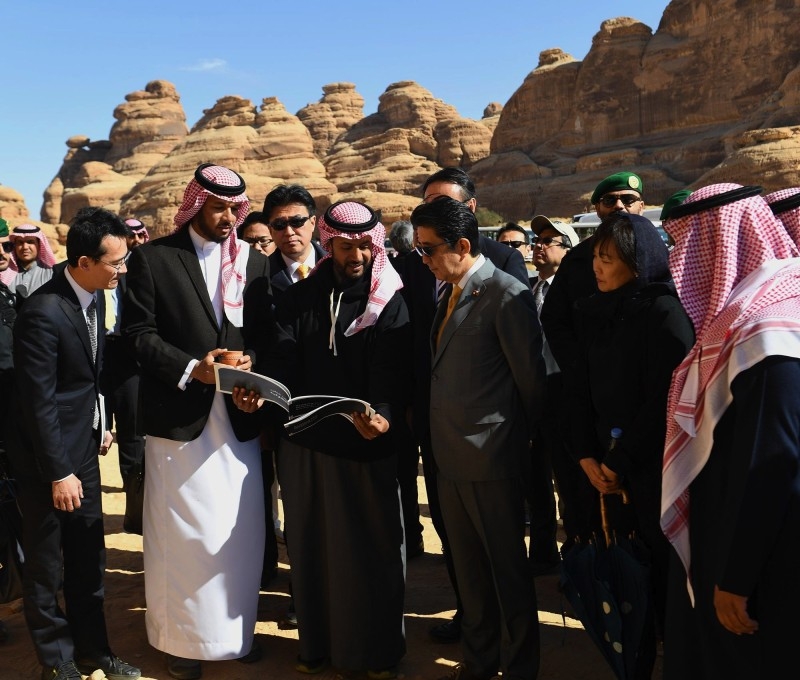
(673, 202)
(617, 182)
(3, 228)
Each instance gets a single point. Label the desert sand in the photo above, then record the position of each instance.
(567, 652)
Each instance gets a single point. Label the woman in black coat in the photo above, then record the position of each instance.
(635, 332)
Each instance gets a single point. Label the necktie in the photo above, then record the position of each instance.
(539, 293)
(302, 271)
(451, 305)
(111, 310)
(442, 288)
(91, 322)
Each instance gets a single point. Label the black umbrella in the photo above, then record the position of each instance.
(606, 581)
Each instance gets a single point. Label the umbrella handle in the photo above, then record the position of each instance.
(604, 516)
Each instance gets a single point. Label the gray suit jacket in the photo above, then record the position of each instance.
(487, 379)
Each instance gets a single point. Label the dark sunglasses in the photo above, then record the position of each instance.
(514, 244)
(294, 222)
(8, 246)
(427, 251)
(610, 200)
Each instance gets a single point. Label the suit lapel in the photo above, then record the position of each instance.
(69, 304)
(472, 293)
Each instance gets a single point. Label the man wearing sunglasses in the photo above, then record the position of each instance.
(290, 212)
(423, 292)
(620, 192)
(486, 381)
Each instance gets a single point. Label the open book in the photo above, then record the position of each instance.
(304, 411)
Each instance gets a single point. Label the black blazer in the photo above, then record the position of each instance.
(168, 319)
(56, 383)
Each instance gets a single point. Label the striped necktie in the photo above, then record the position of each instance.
(91, 322)
(539, 293)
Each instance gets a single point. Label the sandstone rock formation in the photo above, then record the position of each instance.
(266, 145)
(12, 205)
(713, 94)
(391, 152)
(340, 108)
(149, 124)
(670, 106)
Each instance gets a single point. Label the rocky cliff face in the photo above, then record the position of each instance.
(149, 124)
(712, 95)
(675, 106)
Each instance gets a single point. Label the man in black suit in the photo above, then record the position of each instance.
(422, 292)
(290, 212)
(191, 295)
(54, 449)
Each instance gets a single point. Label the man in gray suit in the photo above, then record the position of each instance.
(486, 383)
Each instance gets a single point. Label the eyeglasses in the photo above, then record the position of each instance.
(294, 222)
(427, 251)
(116, 266)
(8, 246)
(514, 244)
(262, 241)
(610, 200)
(547, 242)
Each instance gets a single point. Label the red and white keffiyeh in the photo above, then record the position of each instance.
(45, 256)
(234, 252)
(789, 218)
(385, 279)
(738, 277)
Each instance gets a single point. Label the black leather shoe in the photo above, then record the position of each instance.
(253, 655)
(114, 667)
(183, 669)
(64, 671)
(447, 632)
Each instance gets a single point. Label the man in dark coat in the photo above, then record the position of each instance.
(192, 295)
(422, 293)
(344, 331)
(53, 449)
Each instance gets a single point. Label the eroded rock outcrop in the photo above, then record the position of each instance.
(149, 124)
(390, 153)
(340, 108)
(713, 94)
(266, 145)
(668, 105)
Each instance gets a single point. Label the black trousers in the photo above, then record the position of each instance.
(120, 386)
(64, 548)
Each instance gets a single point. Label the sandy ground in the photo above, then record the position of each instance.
(567, 652)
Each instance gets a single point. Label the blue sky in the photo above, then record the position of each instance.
(67, 65)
